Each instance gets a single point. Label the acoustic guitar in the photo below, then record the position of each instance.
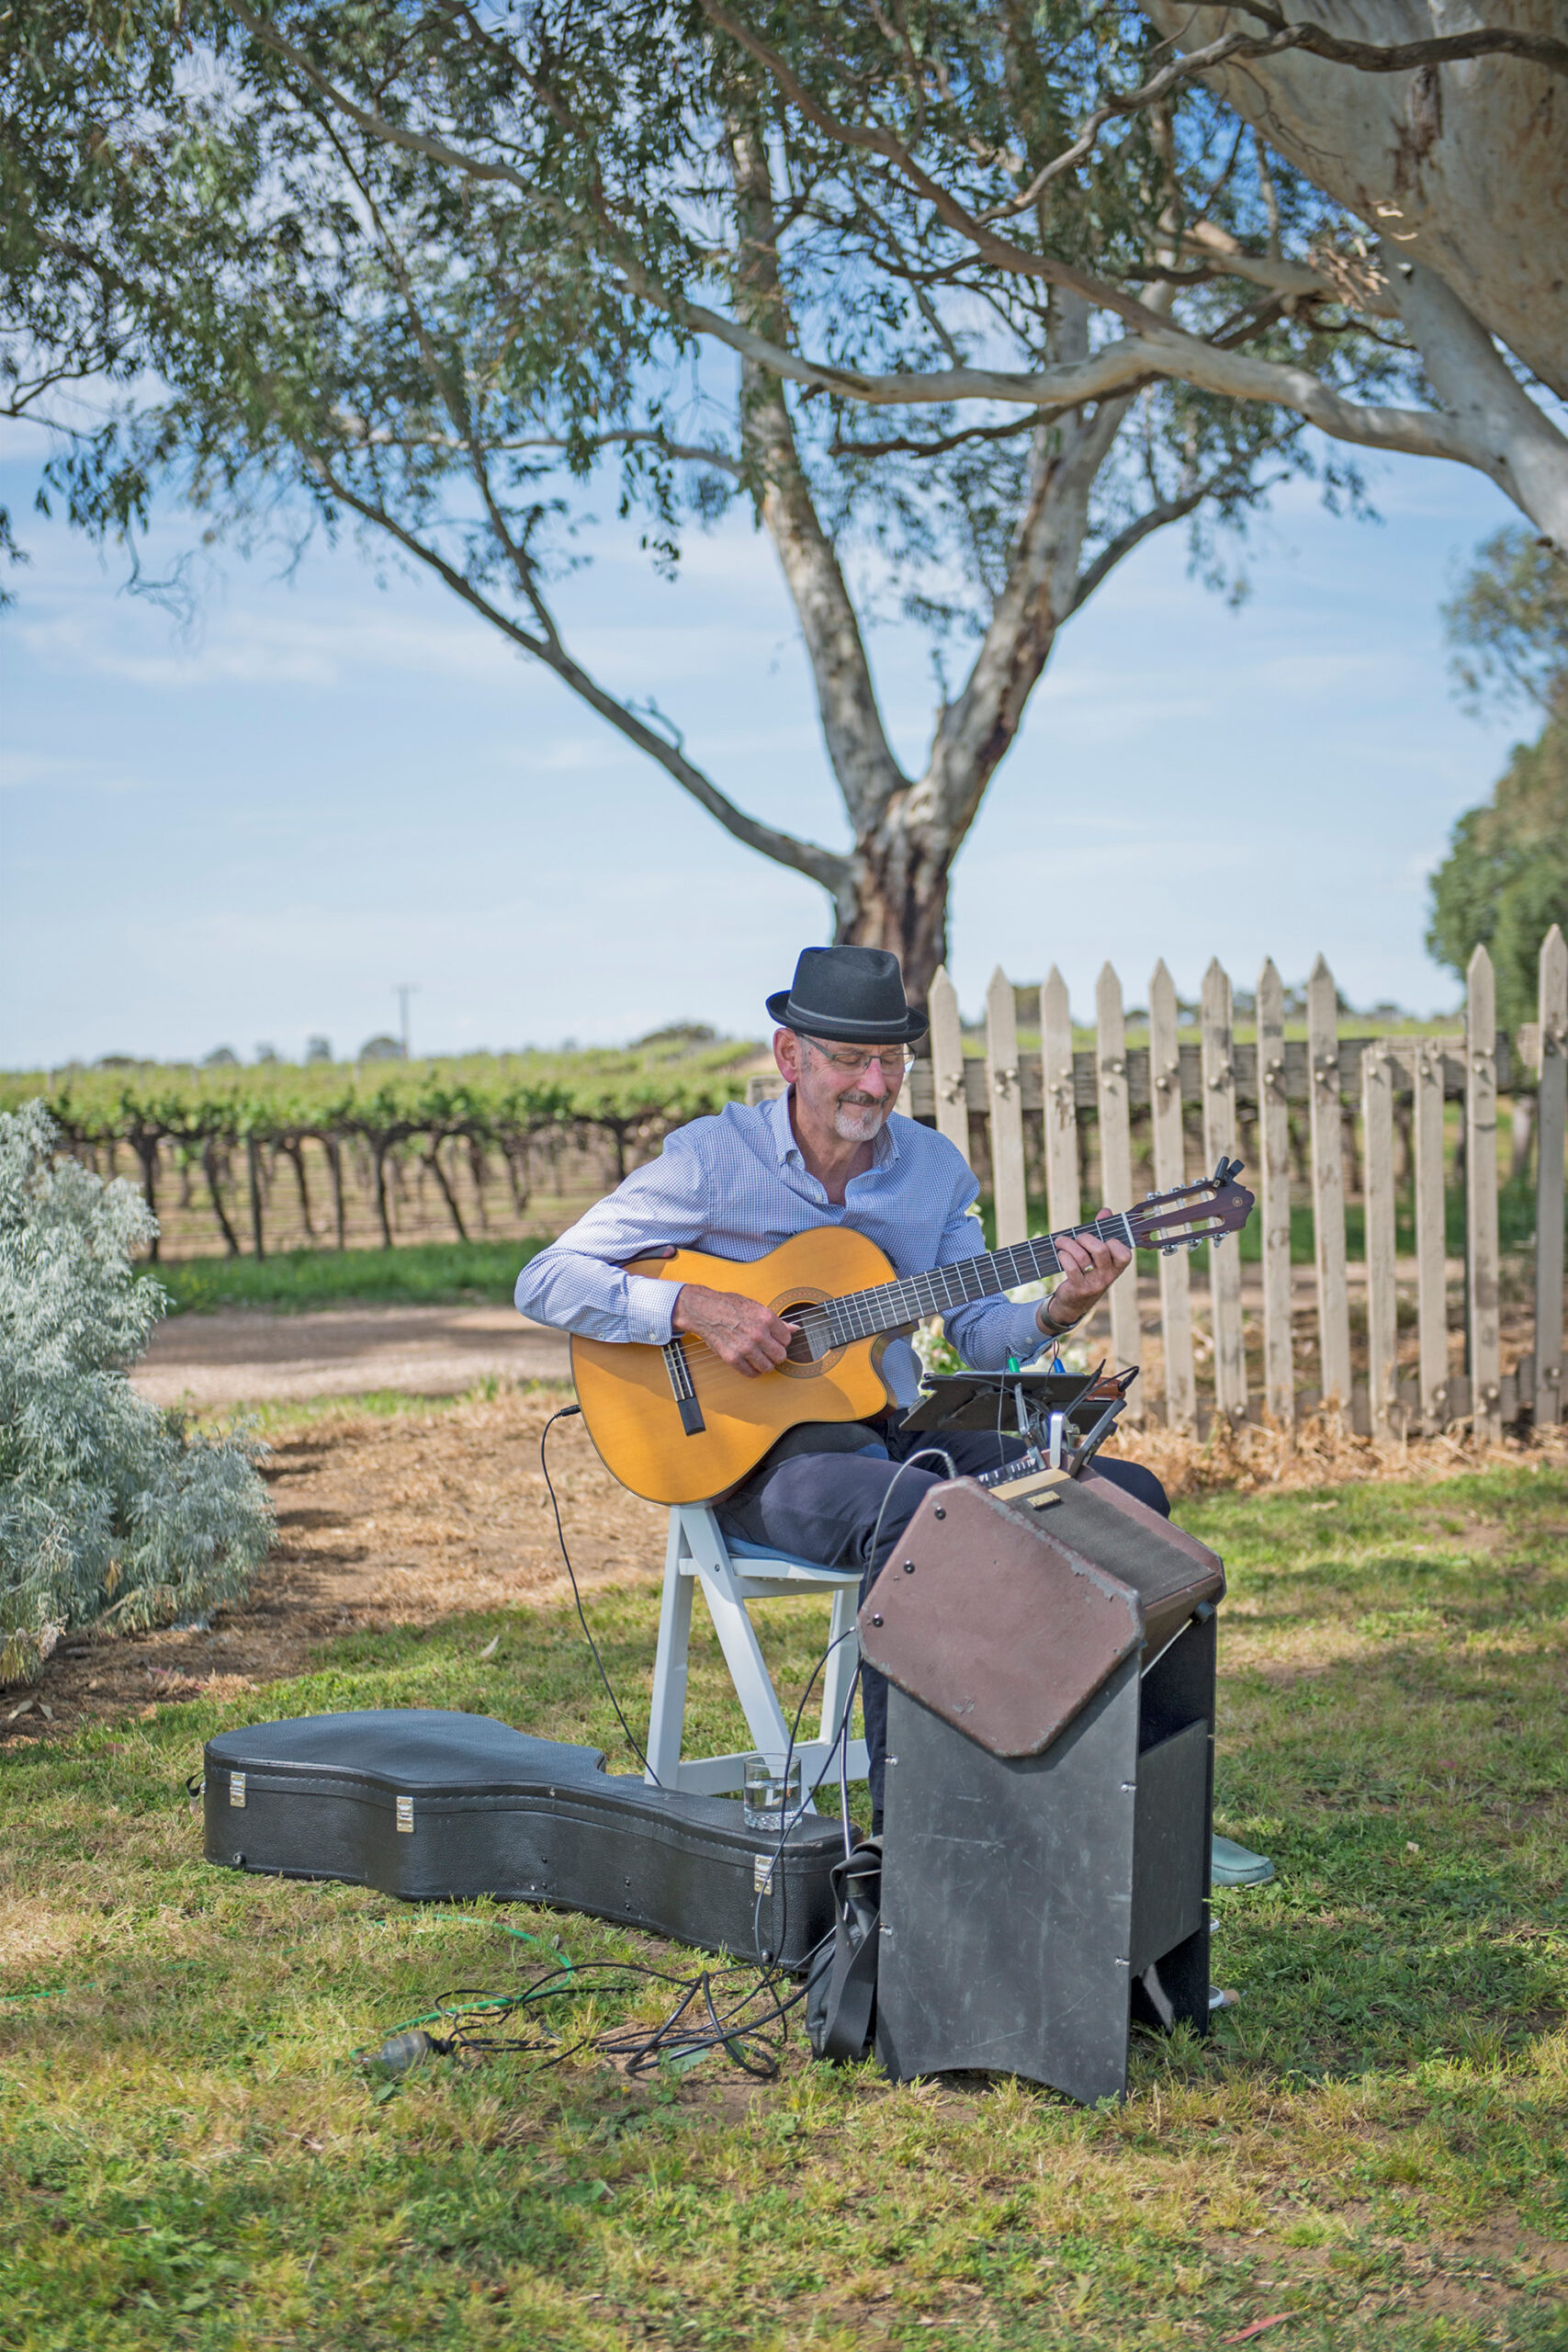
(678, 1425)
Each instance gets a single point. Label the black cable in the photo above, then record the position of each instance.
(563, 1414)
(840, 1739)
(735, 2031)
(835, 1745)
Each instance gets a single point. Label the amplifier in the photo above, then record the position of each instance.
(439, 1807)
(1050, 1734)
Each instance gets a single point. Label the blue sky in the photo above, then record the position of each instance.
(254, 829)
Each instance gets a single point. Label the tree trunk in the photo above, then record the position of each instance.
(433, 1161)
(514, 1152)
(898, 899)
(382, 1210)
(294, 1152)
(334, 1161)
(478, 1169)
(147, 1152)
(209, 1170)
(253, 1160)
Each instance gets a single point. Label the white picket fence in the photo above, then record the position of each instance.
(1011, 1108)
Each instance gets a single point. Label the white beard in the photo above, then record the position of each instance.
(859, 1122)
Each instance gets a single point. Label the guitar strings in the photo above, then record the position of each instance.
(862, 1314)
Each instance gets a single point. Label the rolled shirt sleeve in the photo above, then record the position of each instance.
(580, 1283)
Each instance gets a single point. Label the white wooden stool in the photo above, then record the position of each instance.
(732, 1574)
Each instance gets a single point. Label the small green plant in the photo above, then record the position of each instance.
(108, 1508)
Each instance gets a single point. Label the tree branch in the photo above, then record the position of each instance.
(846, 694)
(1116, 550)
(1506, 434)
(382, 436)
(1157, 349)
(1405, 56)
(900, 446)
(1000, 250)
(824, 866)
(977, 729)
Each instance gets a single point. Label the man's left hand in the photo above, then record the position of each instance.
(1089, 1266)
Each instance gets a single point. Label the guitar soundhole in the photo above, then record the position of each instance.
(800, 1364)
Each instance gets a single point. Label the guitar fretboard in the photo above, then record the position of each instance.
(892, 1306)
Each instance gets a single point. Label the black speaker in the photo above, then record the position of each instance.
(1049, 1783)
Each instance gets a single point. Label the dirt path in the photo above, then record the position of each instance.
(401, 1518)
(248, 1355)
(254, 1356)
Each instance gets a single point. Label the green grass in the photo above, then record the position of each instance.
(426, 1273)
(1375, 2143)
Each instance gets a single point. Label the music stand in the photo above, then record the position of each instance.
(1040, 1407)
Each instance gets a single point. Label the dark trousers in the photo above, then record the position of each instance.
(851, 1509)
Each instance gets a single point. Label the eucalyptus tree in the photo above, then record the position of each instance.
(1445, 131)
(961, 302)
(1505, 880)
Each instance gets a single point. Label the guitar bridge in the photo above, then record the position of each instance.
(686, 1403)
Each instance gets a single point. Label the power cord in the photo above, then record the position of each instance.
(735, 2029)
(840, 1739)
(565, 1413)
(733, 2022)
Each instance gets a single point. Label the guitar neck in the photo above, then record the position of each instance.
(893, 1306)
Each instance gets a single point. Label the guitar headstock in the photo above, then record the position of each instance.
(1192, 1214)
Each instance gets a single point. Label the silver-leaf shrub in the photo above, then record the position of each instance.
(108, 1508)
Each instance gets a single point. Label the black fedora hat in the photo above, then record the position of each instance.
(852, 995)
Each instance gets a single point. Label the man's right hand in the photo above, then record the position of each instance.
(739, 1330)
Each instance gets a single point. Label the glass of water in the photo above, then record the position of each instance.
(771, 1794)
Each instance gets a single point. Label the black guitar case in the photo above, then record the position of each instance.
(439, 1808)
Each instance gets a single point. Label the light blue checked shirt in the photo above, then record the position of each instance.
(736, 1186)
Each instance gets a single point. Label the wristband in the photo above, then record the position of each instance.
(1049, 1325)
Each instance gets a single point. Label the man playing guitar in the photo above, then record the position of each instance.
(832, 1151)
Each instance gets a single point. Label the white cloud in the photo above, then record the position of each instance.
(247, 647)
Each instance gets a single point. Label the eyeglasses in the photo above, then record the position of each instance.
(897, 1063)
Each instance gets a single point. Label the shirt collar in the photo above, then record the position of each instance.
(775, 1110)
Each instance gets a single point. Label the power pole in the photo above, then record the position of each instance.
(403, 991)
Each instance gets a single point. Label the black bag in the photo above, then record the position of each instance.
(840, 1987)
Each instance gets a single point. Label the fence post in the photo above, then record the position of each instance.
(1383, 1296)
(1480, 1193)
(1328, 1188)
(1219, 1135)
(1116, 1163)
(1007, 1112)
(1061, 1118)
(1174, 1271)
(1274, 1176)
(947, 1062)
(1431, 1238)
(1550, 1140)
